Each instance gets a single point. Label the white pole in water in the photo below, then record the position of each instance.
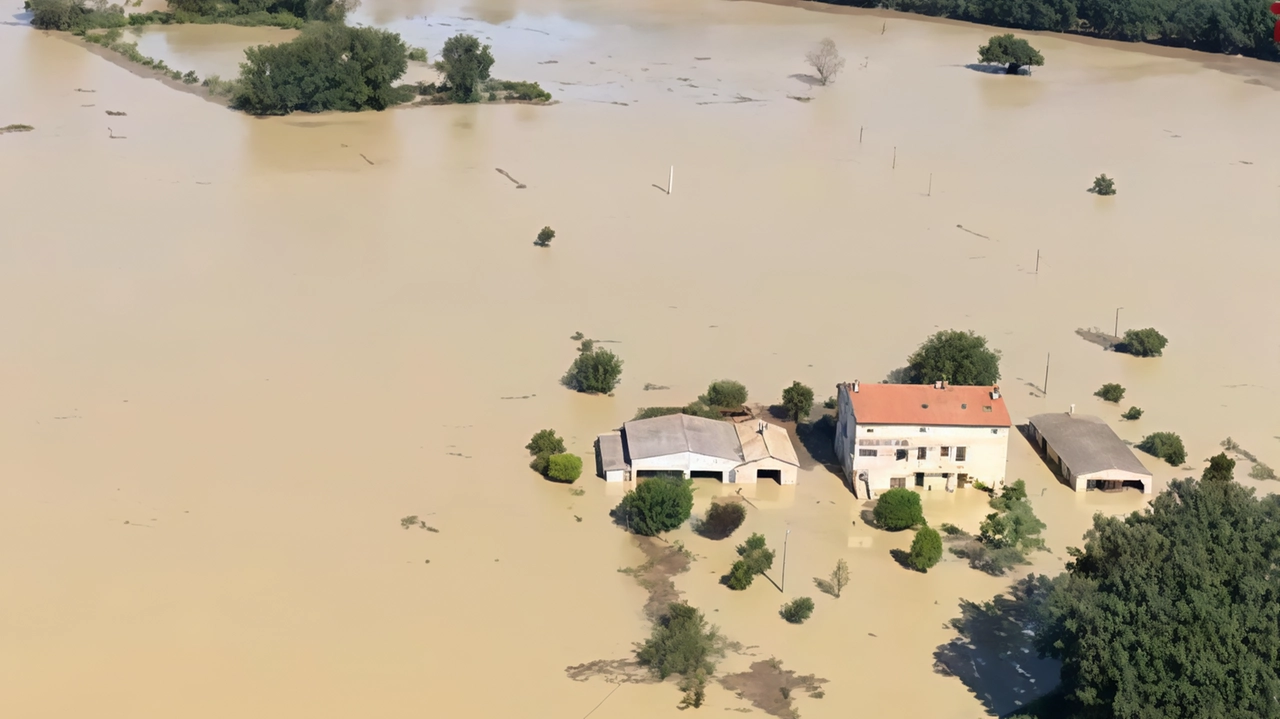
(671, 179)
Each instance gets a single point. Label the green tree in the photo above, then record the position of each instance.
(1110, 392)
(682, 643)
(656, 505)
(953, 356)
(926, 549)
(327, 67)
(797, 610)
(840, 577)
(594, 370)
(1166, 446)
(465, 64)
(1132, 413)
(722, 520)
(798, 401)
(898, 509)
(56, 14)
(564, 467)
(740, 576)
(1103, 185)
(545, 236)
(1221, 469)
(1143, 343)
(1172, 612)
(1012, 51)
(725, 393)
(544, 444)
(1014, 525)
(759, 558)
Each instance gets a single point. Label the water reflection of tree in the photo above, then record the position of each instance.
(994, 655)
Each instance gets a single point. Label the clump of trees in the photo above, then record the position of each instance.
(1190, 583)
(1166, 446)
(683, 644)
(1110, 392)
(656, 505)
(550, 458)
(756, 559)
(1103, 185)
(725, 393)
(594, 370)
(1007, 535)
(825, 60)
(327, 67)
(545, 236)
(465, 64)
(564, 467)
(1143, 343)
(926, 549)
(797, 610)
(1014, 52)
(954, 356)
(722, 520)
(1132, 413)
(898, 509)
(797, 400)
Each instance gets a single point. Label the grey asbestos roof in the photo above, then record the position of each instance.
(1086, 444)
(676, 433)
(611, 455)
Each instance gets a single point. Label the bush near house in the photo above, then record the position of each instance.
(898, 509)
(1166, 446)
(756, 559)
(1110, 392)
(564, 467)
(798, 401)
(797, 610)
(926, 549)
(544, 444)
(725, 393)
(961, 358)
(656, 505)
(722, 520)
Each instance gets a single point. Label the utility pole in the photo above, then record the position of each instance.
(1116, 331)
(671, 179)
(784, 560)
(1037, 262)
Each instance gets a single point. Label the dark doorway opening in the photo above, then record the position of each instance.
(919, 479)
(707, 474)
(659, 473)
(774, 474)
(897, 483)
(1135, 484)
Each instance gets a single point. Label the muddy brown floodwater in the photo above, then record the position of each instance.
(235, 353)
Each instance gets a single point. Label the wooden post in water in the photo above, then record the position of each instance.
(860, 129)
(1046, 375)
(671, 179)
(1037, 262)
(882, 27)
(895, 157)
(930, 184)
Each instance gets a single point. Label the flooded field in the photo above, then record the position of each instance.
(237, 351)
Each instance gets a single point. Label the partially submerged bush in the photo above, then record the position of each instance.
(1166, 446)
(898, 509)
(722, 520)
(756, 559)
(545, 236)
(542, 446)
(1261, 471)
(594, 370)
(1132, 413)
(564, 467)
(656, 505)
(417, 54)
(465, 64)
(1103, 185)
(926, 549)
(682, 644)
(797, 610)
(725, 393)
(1143, 343)
(1110, 392)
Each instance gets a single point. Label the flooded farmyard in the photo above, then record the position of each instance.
(236, 350)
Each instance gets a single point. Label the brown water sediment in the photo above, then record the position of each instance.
(261, 351)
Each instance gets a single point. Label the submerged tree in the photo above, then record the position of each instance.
(1166, 446)
(465, 64)
(1221, 469)
(1103, 185)
(798, 402)
(1012, 51)
(926, 549)
(683, 644)
(594, 370)
(1143, 343)
(725, 393)
(656, 505)
(825, 60)
(954, 356)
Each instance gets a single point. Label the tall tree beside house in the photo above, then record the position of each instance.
(898, 509)
(798, 401)
(725, 393)
(954, 356)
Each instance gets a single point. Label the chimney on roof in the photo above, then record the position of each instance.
(1072, 410)
(855, 386)
(761, 430)
(937, 385)
(995, 392)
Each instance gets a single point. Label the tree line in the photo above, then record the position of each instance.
(1225, 26)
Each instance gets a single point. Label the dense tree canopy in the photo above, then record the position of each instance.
(656, 505)
(1174, 612)
(798, 401)
(1165, 445)
(956, 357)
(725, 393)
(465, 64)
(594, 370)
(1226, 26)
(1143, 343)
(328, 67)
(926, 549)
(1012, 51)
(898, 509)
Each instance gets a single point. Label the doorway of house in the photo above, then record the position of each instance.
(919, 479)
(707, 474)
(962, 480)
(774, 474)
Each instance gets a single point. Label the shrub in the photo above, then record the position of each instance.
(682, 643)
(594, 371)
(798, 401)
(417, 54)
(329, 67)
(1261, 471)
(542, 446)
(1012, 51)
(519, 90)
(926, 549)
(1221, 469)
(759, 558)
(953, 356)
(1132, 413)
(656, 505)
(725, 393)
(1166, 446)
(797, 610)
(951, 530)
(740, 576)
(545, 236)
(898, 509)
(465, 64)
(564, 467)
(57, 14)
(829, 403)
(493, 96)
(1143, 343)
(1103, 185)
(190, 77)
(722, 520)
(696, 409)
(1110, 392)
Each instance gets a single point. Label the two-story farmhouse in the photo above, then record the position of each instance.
(935, 436)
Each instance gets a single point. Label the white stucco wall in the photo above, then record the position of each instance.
(685, 462)
(746, 474)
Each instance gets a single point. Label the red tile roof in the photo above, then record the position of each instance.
(924, 404)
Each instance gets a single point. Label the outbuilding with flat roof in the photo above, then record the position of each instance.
(1086, 453)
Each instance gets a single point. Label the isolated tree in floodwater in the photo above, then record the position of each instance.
(1012, 51)
(825, 60)
(465, 64)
